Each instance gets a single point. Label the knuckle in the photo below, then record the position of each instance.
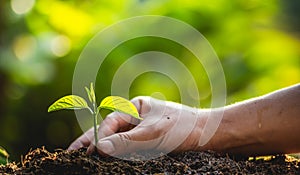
(140, 99)
(124, 136)
(125, 139)
(141, 102)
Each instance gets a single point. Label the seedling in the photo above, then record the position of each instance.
(3, 156)
(113, 103)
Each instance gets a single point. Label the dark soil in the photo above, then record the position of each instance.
(40, 161)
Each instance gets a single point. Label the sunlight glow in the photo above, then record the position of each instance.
(70, 20)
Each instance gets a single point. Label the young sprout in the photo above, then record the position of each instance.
(113, 103)
(3, 156)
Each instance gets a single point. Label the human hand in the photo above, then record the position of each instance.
(166, 127)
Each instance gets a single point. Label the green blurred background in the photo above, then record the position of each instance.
(40, 42)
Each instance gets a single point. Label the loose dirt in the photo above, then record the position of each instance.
(40, 161)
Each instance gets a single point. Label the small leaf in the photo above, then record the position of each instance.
(119, 104)
(3, 152)
(69, 102)
(91, 93)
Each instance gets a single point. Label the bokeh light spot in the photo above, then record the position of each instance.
(60, 45)
(22, 6)
(24, 47)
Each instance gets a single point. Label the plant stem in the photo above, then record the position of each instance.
(96, 112)
(95, 128)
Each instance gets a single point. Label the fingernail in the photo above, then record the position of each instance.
(107, 147)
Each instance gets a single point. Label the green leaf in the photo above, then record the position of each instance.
(91, 93)
(3, 152)
(69, 102)
(119, 104)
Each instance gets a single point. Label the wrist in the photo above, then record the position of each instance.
(192, 142)
(198, 117)
(202, 120)
(235, 132)
(218, 129)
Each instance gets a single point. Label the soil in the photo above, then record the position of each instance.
(40, 161)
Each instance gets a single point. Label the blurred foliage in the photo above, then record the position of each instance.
(3, 156)
(40, 42)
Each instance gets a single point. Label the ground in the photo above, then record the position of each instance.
(40, 161)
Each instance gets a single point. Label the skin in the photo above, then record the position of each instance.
(264, 125)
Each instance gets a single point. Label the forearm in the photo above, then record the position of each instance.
(263, 125)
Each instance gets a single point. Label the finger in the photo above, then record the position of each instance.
(142, 104)
(116, 122)
(113, 123)
(126, 142)
(148, 106)
(82, 141)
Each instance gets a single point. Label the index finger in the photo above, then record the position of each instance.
(113, 123)
(116, 122)
(82, 141)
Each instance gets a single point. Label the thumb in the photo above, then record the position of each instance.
(126, 142)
